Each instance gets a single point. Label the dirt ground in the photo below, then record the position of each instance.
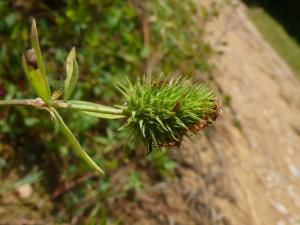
(257, 135)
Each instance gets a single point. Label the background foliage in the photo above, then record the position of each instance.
(113, 38)
(278, 23)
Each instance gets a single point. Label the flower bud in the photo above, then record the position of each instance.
(161, 113)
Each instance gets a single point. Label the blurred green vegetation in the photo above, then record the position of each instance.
(113, 39)
(278, 23)
(285, 13)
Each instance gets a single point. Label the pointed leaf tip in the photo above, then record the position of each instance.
(72, 74)
(36, 46)
(38, 77)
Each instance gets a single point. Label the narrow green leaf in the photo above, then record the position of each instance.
(36, 46)
(42, 71)
(40, 85)
(72, 74)
(103, 115)
(37, 81)
(93, 107)
(74, 142)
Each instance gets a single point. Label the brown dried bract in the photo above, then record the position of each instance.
(178, 103)
(31, 57)
(170, 144)
(158, 84)
(198, 126)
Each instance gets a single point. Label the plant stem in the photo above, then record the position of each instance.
(39, 103)
(16, 102)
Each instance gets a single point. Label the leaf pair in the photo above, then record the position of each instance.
(37, 75)
(96, 110)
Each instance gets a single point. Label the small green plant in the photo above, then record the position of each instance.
(159, 113)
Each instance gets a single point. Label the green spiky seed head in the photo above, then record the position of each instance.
(160, 113)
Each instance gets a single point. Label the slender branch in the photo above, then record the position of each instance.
(16, 102)
(39, 103)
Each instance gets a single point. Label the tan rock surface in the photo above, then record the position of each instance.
(261, 160)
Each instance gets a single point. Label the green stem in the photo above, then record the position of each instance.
(15, 102)
(39, 103)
